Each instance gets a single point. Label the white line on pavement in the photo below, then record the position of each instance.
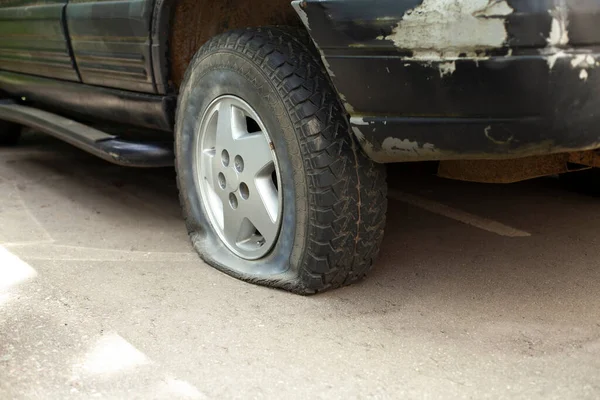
(458, 215)
(58, 252)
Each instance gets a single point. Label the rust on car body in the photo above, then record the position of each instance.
(195, 22)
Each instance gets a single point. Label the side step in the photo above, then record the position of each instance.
(94, 141)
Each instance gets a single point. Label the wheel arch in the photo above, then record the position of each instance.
(181, 27)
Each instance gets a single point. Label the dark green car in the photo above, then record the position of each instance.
(278, 115)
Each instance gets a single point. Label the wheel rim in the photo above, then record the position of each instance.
(238, 176)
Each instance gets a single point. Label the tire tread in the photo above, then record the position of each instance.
(346, 190)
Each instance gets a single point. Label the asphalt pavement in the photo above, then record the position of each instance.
(481, 291)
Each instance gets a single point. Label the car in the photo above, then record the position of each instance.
(279, 116)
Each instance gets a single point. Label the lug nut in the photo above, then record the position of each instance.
(244, 191)
(239, 163)
(225, 158)
(233, 202)
(222, 180)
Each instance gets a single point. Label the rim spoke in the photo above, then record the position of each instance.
(224, 136)
(232, 223)
(231, 123)
(259, 157)
(217, 206)
(208, 159)
(210, 173)
(262, 208)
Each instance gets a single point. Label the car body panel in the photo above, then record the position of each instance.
(479, 79)
(420, 79)
(160, 28)
(33, 39)
(111, 42)
(98, 55)
(92, 103)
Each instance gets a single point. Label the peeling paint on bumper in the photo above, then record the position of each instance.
(499, 109)
(535, 90)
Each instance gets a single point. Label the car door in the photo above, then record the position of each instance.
(111, 42)
(34, 39)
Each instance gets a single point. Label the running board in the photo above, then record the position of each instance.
(101, 144)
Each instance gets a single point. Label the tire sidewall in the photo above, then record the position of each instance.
(224, 72)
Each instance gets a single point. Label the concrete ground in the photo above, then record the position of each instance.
(482, 291)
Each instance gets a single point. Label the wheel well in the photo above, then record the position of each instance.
(194, 22)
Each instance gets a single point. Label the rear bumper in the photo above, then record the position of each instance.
(534, 90)
(502, 108)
